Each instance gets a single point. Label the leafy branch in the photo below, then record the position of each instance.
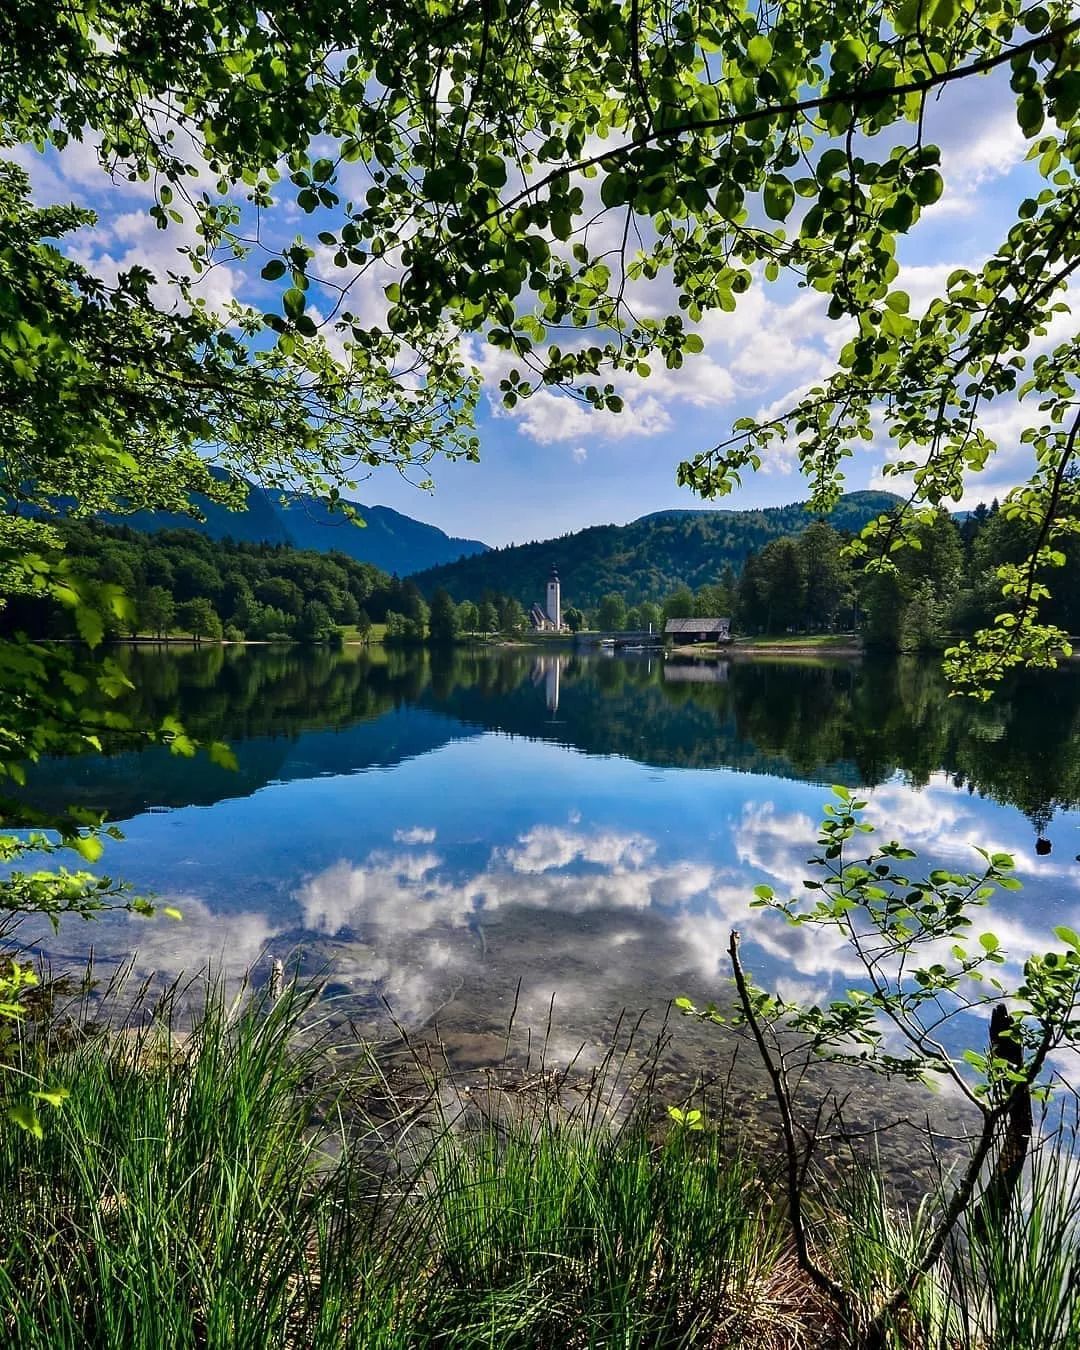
(927, 979)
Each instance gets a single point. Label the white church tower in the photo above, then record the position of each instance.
(554, 600)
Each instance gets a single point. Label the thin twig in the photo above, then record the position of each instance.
(794, 1163)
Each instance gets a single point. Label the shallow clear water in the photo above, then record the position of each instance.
(430, 830)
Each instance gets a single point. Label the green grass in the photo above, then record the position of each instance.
(815, 640)
(223, 1189)
(351, 633)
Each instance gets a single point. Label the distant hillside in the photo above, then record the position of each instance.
(389, 540)
(644, 560)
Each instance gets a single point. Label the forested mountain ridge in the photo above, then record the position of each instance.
(644, 560)
(389, 540)
(181, 582)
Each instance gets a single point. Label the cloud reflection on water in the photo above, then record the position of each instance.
(439, 919)
(398, 901)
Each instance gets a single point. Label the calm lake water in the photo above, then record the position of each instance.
(429, 830)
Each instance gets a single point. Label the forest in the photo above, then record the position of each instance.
(645, 560)
(182, 583)
(179, 582)
(948, 583)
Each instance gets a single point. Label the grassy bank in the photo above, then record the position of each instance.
(225, 1189)
(351, 634)
(800, 642)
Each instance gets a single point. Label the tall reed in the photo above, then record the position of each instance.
(216, 1186)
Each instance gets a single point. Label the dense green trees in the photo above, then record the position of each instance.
(996, 538)
(827, 574)
(186, 583)
(511, 615)
(646, 559)
(315, 623)
(803, 583)
(445, 622)
(911, 606)
(198, 617)
(611, 613)
(647, 615)
(945, 583)
(156, 611)
(679, 604)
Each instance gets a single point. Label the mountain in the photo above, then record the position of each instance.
(644, 560)
(389, 540)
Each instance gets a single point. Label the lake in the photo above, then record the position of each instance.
(441, 835)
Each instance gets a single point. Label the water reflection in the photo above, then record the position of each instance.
(437, 920)
(429, 831)
(292, 714)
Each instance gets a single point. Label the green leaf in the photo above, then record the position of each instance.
(222, 755)
(759, 51)
(439, 184)
(927, 186)
(273, 269)
(90, 624)
(848, 53)
(52, 1096)
(88, 846)
(942, 13)
(1069, 936)
(27, 1119)
(778, 197)
(491, 171)
(615, 189)
(1030, 114)
(293, 302)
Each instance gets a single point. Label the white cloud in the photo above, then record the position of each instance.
(548, 847)
(579, 454)
(415, 834)
(763, 338)
(549, 417)
(994, 149)
(132, 239)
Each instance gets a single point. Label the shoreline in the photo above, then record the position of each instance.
(714, 651)
(796, 648)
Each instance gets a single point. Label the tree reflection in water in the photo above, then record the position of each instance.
(298, 713)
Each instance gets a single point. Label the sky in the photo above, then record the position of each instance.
(550, 466)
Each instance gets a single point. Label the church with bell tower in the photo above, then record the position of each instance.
(547, 618)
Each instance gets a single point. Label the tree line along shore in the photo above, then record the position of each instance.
(799, 591)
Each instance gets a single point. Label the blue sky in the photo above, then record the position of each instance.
(551, 466)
